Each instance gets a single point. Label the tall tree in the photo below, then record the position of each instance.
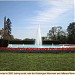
(71, 32)
(8, 26)
(57, 34)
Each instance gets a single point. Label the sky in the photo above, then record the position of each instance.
(26, 15)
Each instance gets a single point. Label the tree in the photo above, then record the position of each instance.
(7, 29)
(17, 39)
(71, 32)
(44, 38)
(52, 33)
(11, 37)
(8, 26)
(57, 34)
(28, 39)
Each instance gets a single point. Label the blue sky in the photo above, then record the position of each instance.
(27, 15)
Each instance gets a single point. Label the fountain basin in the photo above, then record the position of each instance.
(37, 46)
(34, 48)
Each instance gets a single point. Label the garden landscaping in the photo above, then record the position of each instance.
(71, 49)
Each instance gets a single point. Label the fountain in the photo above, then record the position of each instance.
(38, 41)
(38, 47)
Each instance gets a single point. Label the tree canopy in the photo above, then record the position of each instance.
(8, 25)
(71, 32)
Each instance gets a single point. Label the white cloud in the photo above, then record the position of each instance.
(52, 10)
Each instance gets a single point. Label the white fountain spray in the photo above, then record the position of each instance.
(38, 39)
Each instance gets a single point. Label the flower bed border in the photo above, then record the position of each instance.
(37, 49)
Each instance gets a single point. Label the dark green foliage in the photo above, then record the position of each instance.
(3, 43)
(8, 25)
(57, 34)
(48, 42)
(22, 42)
(33, 42)
(28, 39)
(71, 33)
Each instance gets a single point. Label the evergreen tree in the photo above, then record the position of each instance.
(8, 26)
(71, 32)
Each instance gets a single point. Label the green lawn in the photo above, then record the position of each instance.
(37, 61)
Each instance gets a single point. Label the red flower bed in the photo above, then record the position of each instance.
(36, 49)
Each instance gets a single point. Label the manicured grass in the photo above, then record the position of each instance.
(37, 61)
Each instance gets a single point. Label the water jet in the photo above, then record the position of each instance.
(38, 40)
